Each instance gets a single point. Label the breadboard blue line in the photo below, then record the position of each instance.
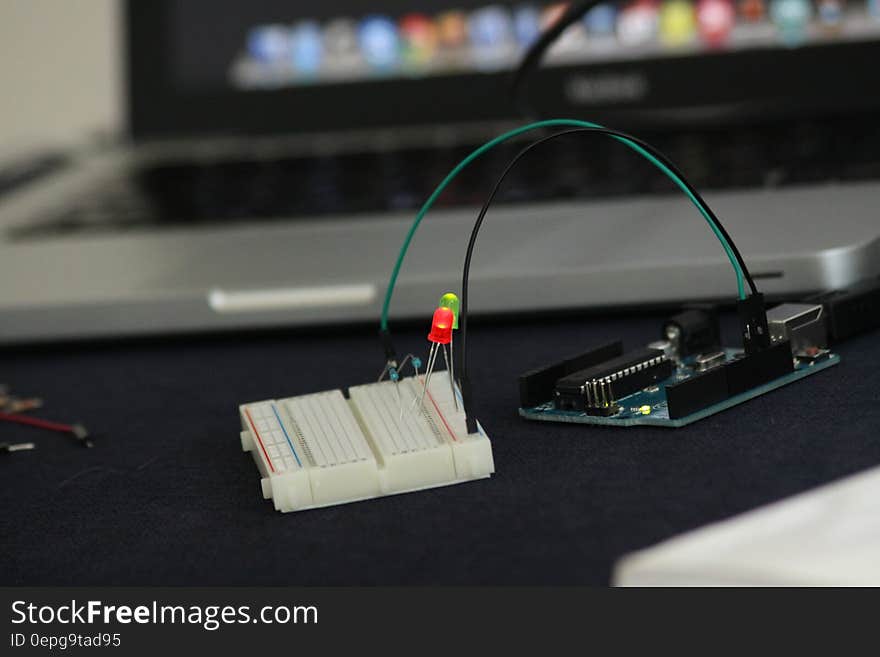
(289, 442)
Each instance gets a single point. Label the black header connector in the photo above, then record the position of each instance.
(753, 323)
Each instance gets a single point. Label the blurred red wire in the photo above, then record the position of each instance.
(36, 422)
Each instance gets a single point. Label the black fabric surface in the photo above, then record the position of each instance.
(167, 497)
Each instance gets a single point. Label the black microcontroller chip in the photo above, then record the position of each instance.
(537, 386)
(596, 389)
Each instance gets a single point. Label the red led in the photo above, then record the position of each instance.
(441, 326)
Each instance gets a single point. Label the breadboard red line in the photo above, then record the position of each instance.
(442, 419)
(259, 440)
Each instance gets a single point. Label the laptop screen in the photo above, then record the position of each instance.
(264, 45)
(222, 66)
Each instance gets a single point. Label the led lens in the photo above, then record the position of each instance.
(441, 326)
(449, 300)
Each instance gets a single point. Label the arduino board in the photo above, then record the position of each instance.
(650, 406)
(683, 377)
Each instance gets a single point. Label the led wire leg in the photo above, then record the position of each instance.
(432, 357)
(449, 365)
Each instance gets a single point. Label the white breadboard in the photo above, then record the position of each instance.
(323, 449)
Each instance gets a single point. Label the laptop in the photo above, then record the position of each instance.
(277, 153)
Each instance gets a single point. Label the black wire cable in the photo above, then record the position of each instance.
(462, 351)
(536, 51)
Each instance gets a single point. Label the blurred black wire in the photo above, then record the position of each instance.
(535, 53)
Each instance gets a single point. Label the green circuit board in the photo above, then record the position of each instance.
(648, 407)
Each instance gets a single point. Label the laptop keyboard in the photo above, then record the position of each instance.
(182, 193)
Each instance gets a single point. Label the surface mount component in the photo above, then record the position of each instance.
(323, 449)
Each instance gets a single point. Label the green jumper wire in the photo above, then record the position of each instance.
(550, 123)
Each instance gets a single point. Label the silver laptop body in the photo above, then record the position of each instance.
(533, 256)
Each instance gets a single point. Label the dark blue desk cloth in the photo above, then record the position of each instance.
(167, 497)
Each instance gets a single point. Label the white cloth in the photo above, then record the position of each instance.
(826, 536)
